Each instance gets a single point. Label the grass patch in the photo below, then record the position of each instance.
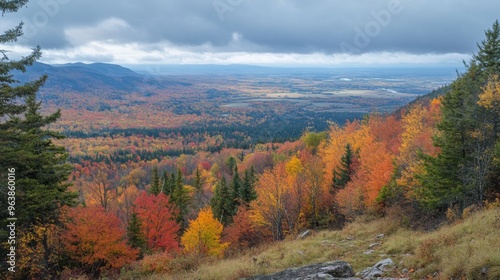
(469, 249)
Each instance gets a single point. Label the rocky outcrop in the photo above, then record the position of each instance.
(377, 270)
(335, 270)
(328, 270)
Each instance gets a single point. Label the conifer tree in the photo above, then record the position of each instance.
(488, 56)
(166, 187)
(26, 148)
(134, 233)
(462, 172)
(248, 193)
(198, 184)
(236, 188)
(25, 142)
(342, 176)
(180, 198)
(221, 202)
(155, 184)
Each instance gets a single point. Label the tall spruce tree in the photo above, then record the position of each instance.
(462, 172)
(342, 175)
(180, 198)
(25, 142)
(166, 186)
(248, 193)
(28, 154)
(221, 202)
(155, 182)
(236, 187)
(134, 233)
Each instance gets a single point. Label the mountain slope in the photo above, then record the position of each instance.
(80, 77)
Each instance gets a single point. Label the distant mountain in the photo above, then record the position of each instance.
(100, 68)
(80, 77)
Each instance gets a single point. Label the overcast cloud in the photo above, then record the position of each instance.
(288, 32)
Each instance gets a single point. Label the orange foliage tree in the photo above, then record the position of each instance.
(274, 200)
(158, 221)
(242, 233)
(375, 162)
(203, 235)
(419, 124)
(95, 239)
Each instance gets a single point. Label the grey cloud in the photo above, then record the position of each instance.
(425, 26)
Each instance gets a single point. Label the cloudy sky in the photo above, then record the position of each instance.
(263, 32)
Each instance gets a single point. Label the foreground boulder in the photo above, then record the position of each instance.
(335, 270)
(377, 270)
(328, 270)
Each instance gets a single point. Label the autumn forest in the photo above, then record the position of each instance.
(156, 174)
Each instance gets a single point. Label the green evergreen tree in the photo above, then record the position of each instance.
(198, 196)
(231, 164)
(134, 233)
(236, 189)
(462, 172)
(26, 148)
(180, 198)
(198, 184)
(248, 193)
(221, 202)
(342, 175)
(155, 184)
(25, 143)
(488, 56)
(166, 187)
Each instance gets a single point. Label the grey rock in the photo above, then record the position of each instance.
(380, 236)
(369, 252)
(339, 269)
(328, 270)
(384, 263)
(377, 270)
(371, 273)
(374, 245)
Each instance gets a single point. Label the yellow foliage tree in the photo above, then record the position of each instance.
(203, 235)
(418, 127)
(490, 98)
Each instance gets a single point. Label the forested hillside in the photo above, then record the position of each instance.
(118, 201)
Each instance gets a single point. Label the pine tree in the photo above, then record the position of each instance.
(198, 184)
(462, 172)
(488, 57)
(342, 175)
(134, 233)
(166, 187)
(221, 202)
(26, 148)
(231, 164)
(236, 189)
(199, 195)
(180, 198)
(248, 193)
(25, 143)
(155, 184)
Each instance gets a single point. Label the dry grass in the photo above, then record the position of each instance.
(469, 249)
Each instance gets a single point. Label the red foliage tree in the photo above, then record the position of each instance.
(95, 239)
(158, 221)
